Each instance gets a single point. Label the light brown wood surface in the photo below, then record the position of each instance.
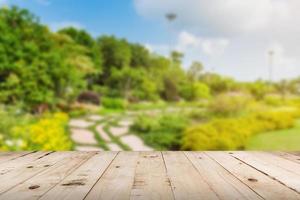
(149, 175)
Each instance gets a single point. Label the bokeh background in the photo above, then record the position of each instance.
(149, 75)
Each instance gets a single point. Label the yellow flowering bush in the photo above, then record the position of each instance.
(47, 133)
(232, 133)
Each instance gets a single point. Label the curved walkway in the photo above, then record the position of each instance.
(99, 133)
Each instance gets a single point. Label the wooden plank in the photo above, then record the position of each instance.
(117, 181)
(6, 156)
(285, 171)
(38, 185)
(151, 180)
(274, 160)
(23, 160)
(20, 162)
(288, 156)
(78, 184)
(185, 179)
(21, 173)
(262, 184)
(220, 180)
(297, 153)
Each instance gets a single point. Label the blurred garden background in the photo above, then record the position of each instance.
(71, 90)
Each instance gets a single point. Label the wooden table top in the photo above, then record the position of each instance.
(149, 175)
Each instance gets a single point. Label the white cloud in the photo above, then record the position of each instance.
(226, 17)
(239, 32)
(209, 46)
(283, 64)
(188, 42)
(55, 26)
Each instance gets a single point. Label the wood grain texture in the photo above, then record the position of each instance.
(186, 182)
(6, 156)
(151, 180)
(16, 171)
(261, 183)
(38, 185)
(149, 175)
(219, 179)
(289, 156)
(285, 171)
(117, 181)
(78, 184)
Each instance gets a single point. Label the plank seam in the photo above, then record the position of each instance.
(14, 158)
(171, 184)
(135, 168)
(235, 176)
(229, 182)
(28, 178)
(101, 175)
(289, 159)
(266, 174)
(73, 169)
(209, 185)
(25, 154)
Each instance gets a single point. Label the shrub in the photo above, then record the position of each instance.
(145, 124)
(146, 105)
(114, 103)
(89, 97)
(229, 104)
(273, 100)
(10, 117)
(163, 132)
(47, 133)
(232, 133)
(195, 91)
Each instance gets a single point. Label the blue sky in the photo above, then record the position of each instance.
(231, 37)
(99, 17)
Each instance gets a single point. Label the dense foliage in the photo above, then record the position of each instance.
(233, 133)
(25, 132)
(163, 132)
(37, 66)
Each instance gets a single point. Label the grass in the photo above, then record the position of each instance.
(282, 140)
(109, 111)
(114, 138)
(101, 142)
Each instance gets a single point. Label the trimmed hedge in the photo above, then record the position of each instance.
(232, 133)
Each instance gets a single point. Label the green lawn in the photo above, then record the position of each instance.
(288, 140)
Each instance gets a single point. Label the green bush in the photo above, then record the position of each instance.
(229, 104)
(146, 105)
(145, 124)
(195, 91)
(10, 117)
(273, 100)
(232, 133)
(162, 132)
(114, 103)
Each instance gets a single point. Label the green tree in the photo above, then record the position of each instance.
(259, 89)
(195, 70)
(37, 66)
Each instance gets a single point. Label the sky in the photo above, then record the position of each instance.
(231, 37)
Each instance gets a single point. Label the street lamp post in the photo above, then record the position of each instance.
(171, 17)
(271, 62)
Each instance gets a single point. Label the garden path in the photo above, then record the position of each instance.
(99, 133)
